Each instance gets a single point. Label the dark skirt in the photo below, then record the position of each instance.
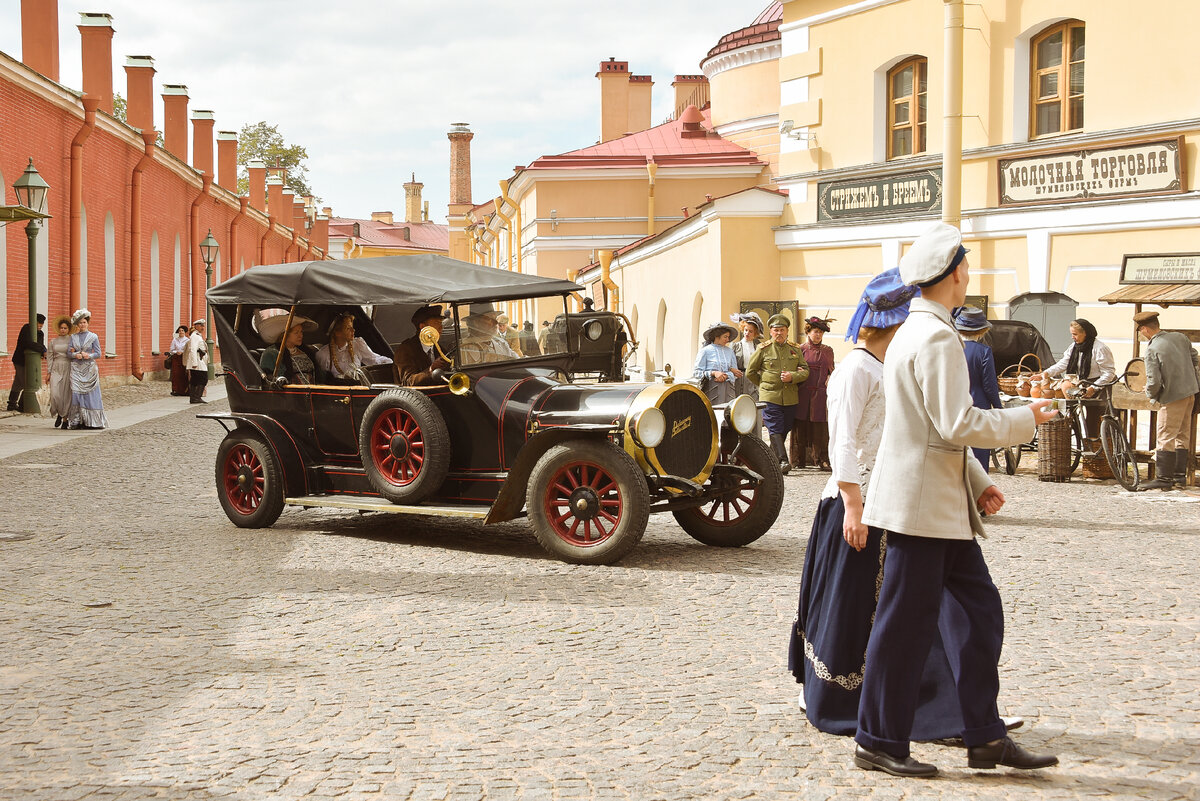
(179, 375)
(838, 593)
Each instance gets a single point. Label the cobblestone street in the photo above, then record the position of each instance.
(153, 650)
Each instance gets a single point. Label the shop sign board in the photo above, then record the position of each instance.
(1141, 168)
(1161, 268)
(909, 192)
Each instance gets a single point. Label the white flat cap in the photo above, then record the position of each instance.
(931, 255)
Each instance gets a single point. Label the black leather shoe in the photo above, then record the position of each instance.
(907, 767)
(1008, 753)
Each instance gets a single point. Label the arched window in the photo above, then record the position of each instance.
(1056, 74)
(907, 84)
(83, 258)
(3, 268)
(177, 299)
(155, 294)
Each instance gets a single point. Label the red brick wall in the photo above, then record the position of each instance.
(33, 124)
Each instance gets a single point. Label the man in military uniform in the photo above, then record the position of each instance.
(778, 368)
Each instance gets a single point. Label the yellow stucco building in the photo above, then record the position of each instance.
(826, 126)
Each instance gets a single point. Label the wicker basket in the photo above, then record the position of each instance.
(1008, 383)
(1094, 465)
(1054, 450)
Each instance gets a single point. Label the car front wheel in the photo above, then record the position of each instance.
(588, 502)
(249, 484)
(741, 514)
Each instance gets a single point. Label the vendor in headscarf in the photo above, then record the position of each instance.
(1091, 360)
(715, 364)
(811, 430)
(287, 355)
(778, 368)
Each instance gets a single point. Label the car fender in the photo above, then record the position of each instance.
(511, 500)
(286, 449)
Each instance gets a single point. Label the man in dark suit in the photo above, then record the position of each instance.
(24, 343)
(414, 362)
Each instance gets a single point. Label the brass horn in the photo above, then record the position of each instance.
(430, 336)
(460, 384)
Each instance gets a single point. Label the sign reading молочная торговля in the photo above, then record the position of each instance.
(1142, 168)
(877, 197)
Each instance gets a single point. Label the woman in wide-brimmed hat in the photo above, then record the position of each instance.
(973, 325)
(287, 355)
(87, 407)
(716, 366)
(59, 367)
(753, 336)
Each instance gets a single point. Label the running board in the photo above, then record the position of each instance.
(340, 502)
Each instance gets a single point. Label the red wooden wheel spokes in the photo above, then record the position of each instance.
(583, 504)
(730, 509)
(245, 484)
(398, 447)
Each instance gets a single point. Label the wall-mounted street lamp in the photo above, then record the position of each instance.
(32, 196)
(208, 252)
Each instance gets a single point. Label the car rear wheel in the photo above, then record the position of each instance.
(249, 484)
(588, 502)
(741, 515)
(404, 445)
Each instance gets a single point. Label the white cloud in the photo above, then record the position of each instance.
(370, 87)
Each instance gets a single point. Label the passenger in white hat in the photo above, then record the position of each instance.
(287, 355)
(927, 494)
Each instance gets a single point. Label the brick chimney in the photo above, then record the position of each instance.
(299, 215)
(175, 120)
(227, 160)
(39, 36)
(690, 90)
(203, 123)
(256, 172)
(412, 200)
(385, 217)
(275, 197)
(319, 236)
(425, 212)
(614, 99)
(96, 34)
(692, 124)
(640, 87)
(139, 100)
(460, 137)
(287, 204)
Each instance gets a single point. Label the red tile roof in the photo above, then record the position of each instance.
(371, 233)
(765, 28)
(665, 143)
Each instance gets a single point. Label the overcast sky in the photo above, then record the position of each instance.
(370, 87)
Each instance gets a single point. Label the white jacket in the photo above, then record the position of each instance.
(195, 353)
(926, 482)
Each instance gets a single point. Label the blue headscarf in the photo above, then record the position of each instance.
(884, 303)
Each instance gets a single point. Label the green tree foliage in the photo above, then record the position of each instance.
(262, 141)
(119, 114)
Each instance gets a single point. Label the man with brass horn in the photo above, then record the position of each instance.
(415, 360)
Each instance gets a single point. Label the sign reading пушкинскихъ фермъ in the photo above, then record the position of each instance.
(1161, 268)
(877, 197)
(1142, 168)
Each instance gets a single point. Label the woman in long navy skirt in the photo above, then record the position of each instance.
(843, 566)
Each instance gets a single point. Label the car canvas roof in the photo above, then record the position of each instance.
(416, 279)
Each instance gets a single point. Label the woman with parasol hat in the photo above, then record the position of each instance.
(716, 366)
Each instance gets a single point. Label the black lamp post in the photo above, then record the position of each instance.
(31, 193)
(208, 252)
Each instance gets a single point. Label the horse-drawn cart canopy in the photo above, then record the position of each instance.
(1163, 279)
(1158, 294)
(418, 279)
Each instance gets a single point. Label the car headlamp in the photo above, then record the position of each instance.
(649, 427)
(593, 329)
(742, 414)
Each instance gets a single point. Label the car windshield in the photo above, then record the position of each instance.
(488, 332)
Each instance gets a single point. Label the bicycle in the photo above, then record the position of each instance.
(1122, 461)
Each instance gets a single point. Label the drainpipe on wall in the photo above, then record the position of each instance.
(606, 257)
(263, 239)
(952, 122)
(508, 222)
(135, 252)
(197, 262)
(517, 223)
(90, 104)
(571, 276)
(651, 169)
(295, 243)
(234, 224)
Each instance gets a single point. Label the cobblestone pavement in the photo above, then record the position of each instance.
(150, 649)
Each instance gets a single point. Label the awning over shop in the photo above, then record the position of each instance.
(1159, 294)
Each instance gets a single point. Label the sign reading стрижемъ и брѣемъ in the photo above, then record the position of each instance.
(1144, 168)
(908, 192)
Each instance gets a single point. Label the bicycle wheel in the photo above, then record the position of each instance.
(1120, 457)
(1077, 443)
(1012, 459)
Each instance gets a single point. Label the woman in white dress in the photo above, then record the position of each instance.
(59, 365)
(345, 355)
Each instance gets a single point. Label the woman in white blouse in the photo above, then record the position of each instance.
(844, 561)
(345, 355)
(1090, 359)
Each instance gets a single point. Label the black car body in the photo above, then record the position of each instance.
(561, 436)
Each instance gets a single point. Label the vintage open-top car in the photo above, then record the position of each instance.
(559, 436)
